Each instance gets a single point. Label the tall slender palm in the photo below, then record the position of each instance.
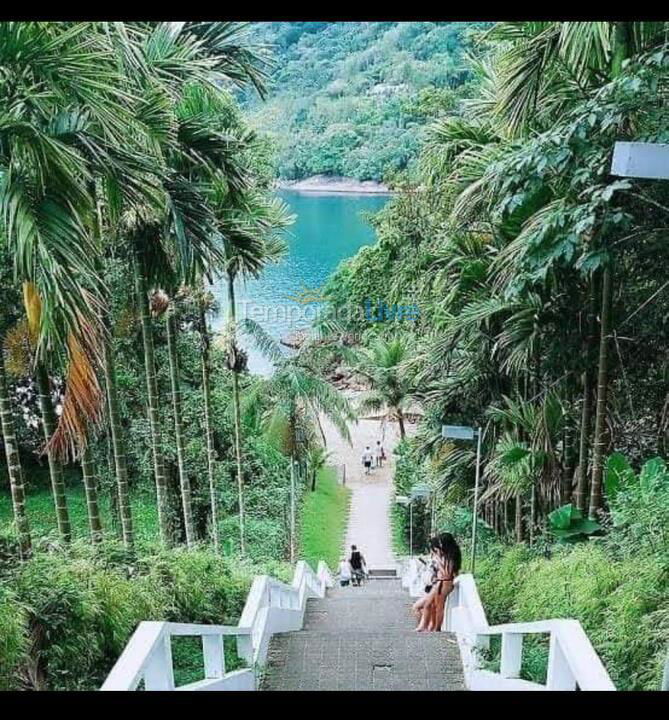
(173, 235)
(251, 226)
(118, 445)
(291, 403)
(14, 468)
(175, 383)
(383, 365)
(91, 491)
(205, 361)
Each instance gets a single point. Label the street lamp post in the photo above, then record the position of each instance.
(293, 465)
(464, 432)
(421, 491)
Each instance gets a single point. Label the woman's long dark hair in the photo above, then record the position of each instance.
(446, 545)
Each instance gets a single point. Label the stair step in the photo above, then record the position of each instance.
(382, 572)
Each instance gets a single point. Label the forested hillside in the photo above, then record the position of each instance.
(351, 98)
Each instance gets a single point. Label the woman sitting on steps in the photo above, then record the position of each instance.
(446, 561)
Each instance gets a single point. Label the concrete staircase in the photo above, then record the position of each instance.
(362, 638)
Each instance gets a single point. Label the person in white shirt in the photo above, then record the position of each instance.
(344, 572)
(367, 458)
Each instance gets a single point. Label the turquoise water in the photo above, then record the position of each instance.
(327, 229)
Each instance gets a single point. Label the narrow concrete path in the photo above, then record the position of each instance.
(369, 521)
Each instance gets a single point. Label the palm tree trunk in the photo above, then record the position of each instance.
(232, 317)
(209, 430)
(400, 421)
(533, 513)
(292, 509)
(519, 517)
(55, 469)
(153, 400)
(91, 489)
(184, 482)
(567, 468)
(602, 388)
(586, 411)
(118, 446)
(14, 469)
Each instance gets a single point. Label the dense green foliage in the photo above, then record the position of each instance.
(67, 615)
(541, 319)
(351, 98)
(129, 184)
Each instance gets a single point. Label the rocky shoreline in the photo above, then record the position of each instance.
(334, 184)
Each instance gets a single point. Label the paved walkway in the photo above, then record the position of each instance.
(369, 520)
(363, 639)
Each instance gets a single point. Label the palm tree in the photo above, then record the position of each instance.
(171, 226)
(118, 445)
(14, 468)
(383, 366)
(91, 490)
(291, 403)
(251, 225)
(205, 359)
(184, 482)
(317, 458)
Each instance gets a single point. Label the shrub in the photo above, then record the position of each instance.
(13, 640)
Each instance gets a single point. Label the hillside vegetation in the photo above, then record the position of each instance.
(351, 98)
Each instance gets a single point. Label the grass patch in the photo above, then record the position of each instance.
(42, 516)
(324, 518)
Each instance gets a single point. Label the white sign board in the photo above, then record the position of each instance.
(641, 160)
(421, 490)
(458, 432)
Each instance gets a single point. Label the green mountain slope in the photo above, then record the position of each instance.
(350, 98)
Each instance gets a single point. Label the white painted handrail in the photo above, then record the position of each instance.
(572, 661)
(271, 607)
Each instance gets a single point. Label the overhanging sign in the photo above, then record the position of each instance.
(641, 160)
(458, 432)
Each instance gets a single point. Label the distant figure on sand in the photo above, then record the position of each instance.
(380, 454)
(358, 565)
(367, 460)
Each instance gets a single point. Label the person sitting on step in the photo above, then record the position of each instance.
(446, 562)
(344, 572)
(358, 566)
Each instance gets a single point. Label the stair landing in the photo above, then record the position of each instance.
(363, 639)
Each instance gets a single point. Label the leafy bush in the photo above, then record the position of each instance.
(568, 524)
(71, 612)
(623, 605)
(13, 640)
(639, 506)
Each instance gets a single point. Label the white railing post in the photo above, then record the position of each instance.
(159, 672)
(214, 656)
(512, 655)
(245, 648)
(452, 602)
(559, 675)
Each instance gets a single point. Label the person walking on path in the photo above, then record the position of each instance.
(358, 565)
(367, 460)
(380, 454)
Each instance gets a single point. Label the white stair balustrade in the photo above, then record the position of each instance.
(271, 607)
(572, 661)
